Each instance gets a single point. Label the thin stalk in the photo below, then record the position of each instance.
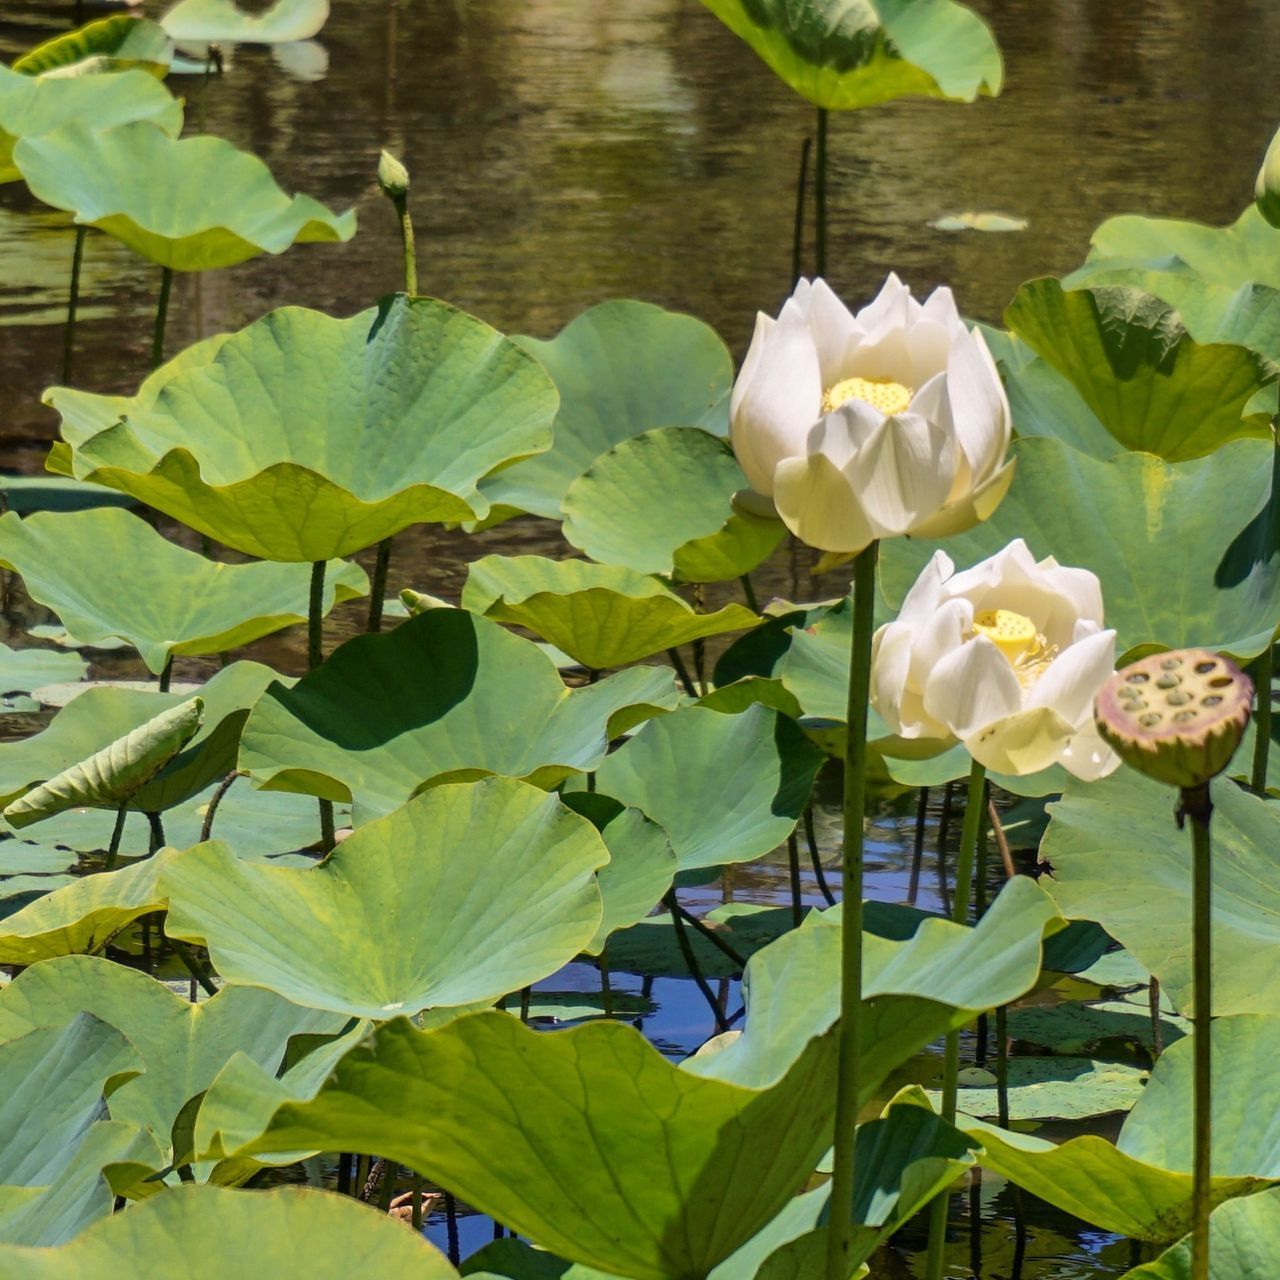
(195, 968)
(416, 1211)
(113, 849)
(166, 675)
(162, 316)
(749, 593)
(793, 861)
(683, 672)
(73, 304)
(378, 589)
(691, 962)
(401, 203)
(944, 830)
(840, 1234)
(1263, 666)
(206, 827)
(917, 852)
(975, 803)
(451, 1226)
(606, 988)
(1197, 806)
(315, 617)
(709, 934)
(526, 995)
(1002, 1065)
(820, 205)
(1157, 1027)
(815, 856)
(387, 1188)
(1002, 840)
(797, 230)
(157, 833)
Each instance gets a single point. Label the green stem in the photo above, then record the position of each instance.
(1263, 666)
(820, 198)
(73, 303)
(815, 855)
(113, 849)
(416, 1212)
(917, 852)
(378, 590)
(166, 675)
(683, 672)
(797, 231)
(691, 961)
(840, 1232)
(1002, 1065)
(749, 592)
(162, 316)
(970, 833)
(410, 250)
(206, 827)
(606, 987)
(793, 863)
(315, 617)
(1197, 806)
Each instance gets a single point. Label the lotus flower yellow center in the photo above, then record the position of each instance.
(1015, 635)
(881, 393)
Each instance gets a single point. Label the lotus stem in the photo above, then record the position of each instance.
(378, 589)
(1157, 1027)
(206, 827)
(793, 862)
(73, 303)
(975, 803)
(1197, 806)
(820, 199)
(410, 250)
(749, 593)
(917, 852)
(195, 968)
(417, 1202)
(113, 849)
(815, 855)
(315, 617)
(162, 317)
(944, 830)
(840, 1233)
(1002, 840)
(606, 987)
(166, 675)
(1002, 1065)
(451, 1221)
(1263, 668)
(797, 232)
(157, 832)
(709, 934)
(691, 961)
(682, 671)
(346, 1173)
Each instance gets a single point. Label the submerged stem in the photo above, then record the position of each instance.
(1198, 807)
(840, 1232)
(162, 316)
(73, 304)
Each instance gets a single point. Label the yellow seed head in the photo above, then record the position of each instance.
(881, 393)
(1012, 633)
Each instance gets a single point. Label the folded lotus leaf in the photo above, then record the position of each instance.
(118, 43)
(306, 438)
(205, 204)
(601, 615)
(841, 55)
(621, 368)
(446, 696)
(34, 105)
(204, 21)
(112, 776)
(159, 597)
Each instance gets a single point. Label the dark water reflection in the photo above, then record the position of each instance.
(564, 152)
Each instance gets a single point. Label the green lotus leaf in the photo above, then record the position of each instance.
(650, 947)
(390, 922)
(1180, 562)
(682, 1170)
(31, 106)
(22, 670)
(843, 55)
(1075, 1027)
(205, 204)
(1141, 1186)
(27, 494)
(101, 716)
(306, 438)
(1244, 1243)
(1132, 361)
(211, 1233)
(621, 368)
(661, 502)
(484, 701)
(1053, 1089)
(182, 1045)
(601, 615)
(975, 221)
(112, 776)
(184, 603)
(641, 867)
(1102, 834)
(726, 788)
(118, 43)
(202, 21)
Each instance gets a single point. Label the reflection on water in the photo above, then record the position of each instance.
(563, 152)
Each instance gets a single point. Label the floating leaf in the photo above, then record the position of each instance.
(205, 203)
(22, 670)
(600, 615)
(841, 56)
(403, 408)
(1074, 1027)
(979, 222)
(1135, 365)
(182, 604)
(1055, 1089)
(220, 21)
(117, 43)
(661, 502)
(25, 494)
(621, 368)
(483, 701)
(650, 947)
(726, 788)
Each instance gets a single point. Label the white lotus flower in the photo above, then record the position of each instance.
(1006, 657)
(857, 427)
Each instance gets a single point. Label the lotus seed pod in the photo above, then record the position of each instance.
(1177, 717)
(1266, 191)
(393, 177)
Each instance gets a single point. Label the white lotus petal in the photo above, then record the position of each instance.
(892, 308)
(950, 626)
(956, 517)
(890, 663)
(1023, 743)
(1087, 756)
(1071, 681)
(971, 688)
(940, 307)
(927, 591)
(903, 472)
(817, 503)
(979, 405)
(831, 324)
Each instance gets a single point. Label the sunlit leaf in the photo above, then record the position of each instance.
(117, 43)
(202, 21)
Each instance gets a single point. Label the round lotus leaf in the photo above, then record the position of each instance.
(841, 56)
(118, 43)
(159, 597)
(1055, 1088)
(27, 494)
(602, 616)
(1244, 1243)
(1185, 552)
(34, 105)
(304, 438)
(621, 368)
(726, 788)
(446, 696)
(22, 670)
(661, 502)
(212, 1233)
(391, 922)
(1133, 363)
(221, 21)
(204, 204)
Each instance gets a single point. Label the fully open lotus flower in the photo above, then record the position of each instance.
(1007, 657)
(857, 427)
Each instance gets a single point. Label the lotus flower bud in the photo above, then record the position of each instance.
(1266, 191)
(393, 177)
(1177, 717)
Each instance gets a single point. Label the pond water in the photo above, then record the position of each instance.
(565, 152)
